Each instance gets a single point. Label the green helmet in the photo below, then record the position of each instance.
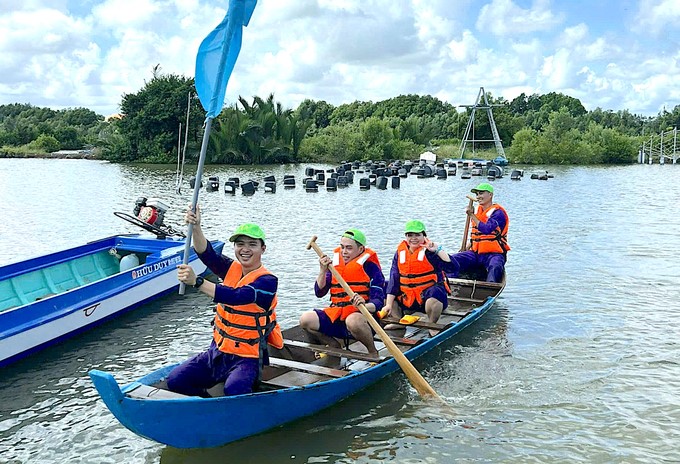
(249, 230)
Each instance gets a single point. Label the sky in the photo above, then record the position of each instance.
(615, 55)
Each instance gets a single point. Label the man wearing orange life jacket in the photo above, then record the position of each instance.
(245, 320)
(417, 282)
(360, 268)
(488, 240)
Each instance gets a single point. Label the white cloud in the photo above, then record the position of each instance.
(464, 50)
(656, 16)
(574, 34)
(341, 51)
(505, 18)
(555, 73)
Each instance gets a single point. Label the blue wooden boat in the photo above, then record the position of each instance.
(51, 297)
(295, 384)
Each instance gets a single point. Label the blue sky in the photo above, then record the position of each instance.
(610, 54)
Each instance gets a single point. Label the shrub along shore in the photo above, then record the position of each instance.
(152, 128)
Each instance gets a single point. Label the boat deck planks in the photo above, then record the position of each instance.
(306, 367)
(419, 323)
(148, 392)
(459, 314)
(401, 340)
(340, 352)
(295, 379)
(467, 300)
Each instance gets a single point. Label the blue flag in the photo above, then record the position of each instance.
(217, 55)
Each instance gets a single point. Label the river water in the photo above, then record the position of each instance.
(577, 362)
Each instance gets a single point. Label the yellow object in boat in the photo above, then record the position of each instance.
(408, 320)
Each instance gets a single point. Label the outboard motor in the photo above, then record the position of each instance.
(149, 214)
(151, 211)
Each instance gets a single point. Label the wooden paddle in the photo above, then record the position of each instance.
(463, 246)
(417, 380)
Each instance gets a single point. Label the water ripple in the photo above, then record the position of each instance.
(577, 362)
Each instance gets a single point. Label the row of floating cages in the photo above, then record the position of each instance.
(248, 187)
(378, 175)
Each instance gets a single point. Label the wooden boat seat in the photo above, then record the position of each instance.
(306, 367)
(295, 379)
(339, 352)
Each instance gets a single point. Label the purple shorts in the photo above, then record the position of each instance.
(195, 375)
(337, 329)
(437, 292)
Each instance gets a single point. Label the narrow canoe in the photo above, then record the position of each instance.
(51, 297)
(295, 384)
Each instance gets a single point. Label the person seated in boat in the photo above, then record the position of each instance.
(360, 268)
(245, 319)
(417, 282)
(488, 240)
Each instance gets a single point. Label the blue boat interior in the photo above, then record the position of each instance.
(60, 272)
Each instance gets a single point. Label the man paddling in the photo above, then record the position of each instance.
(245, 320)
(360, 267)
(489, 238)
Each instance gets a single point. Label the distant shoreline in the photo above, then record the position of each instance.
(62, 154)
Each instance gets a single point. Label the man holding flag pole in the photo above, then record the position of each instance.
(245, 320)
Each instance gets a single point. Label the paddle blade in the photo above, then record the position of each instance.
(217, 55)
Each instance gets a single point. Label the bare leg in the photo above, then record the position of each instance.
(395, 311)
(360, 330)
(310, 322)
(433, 309)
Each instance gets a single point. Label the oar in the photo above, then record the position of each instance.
(463, 246)
(417, 380)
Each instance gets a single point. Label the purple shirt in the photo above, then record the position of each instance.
(261, 291)
(497, 219)
(394, 285)
(377, 285)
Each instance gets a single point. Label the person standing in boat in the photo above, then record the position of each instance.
(245, 320)
(417, 281)
(360, 268)
(488, 239)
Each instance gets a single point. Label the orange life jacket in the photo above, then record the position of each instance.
(497, 240)
(240, 329)
(416, 274)
(354, 274)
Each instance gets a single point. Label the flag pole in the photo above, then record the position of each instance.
(225, 39)
(194, 200)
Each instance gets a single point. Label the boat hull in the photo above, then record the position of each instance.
(97, 297)
(192, 422)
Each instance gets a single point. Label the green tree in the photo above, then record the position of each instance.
(151, 118)
(376, 134)
(46, 143)
(319, 112)
(263, 133)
